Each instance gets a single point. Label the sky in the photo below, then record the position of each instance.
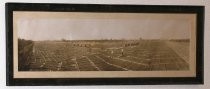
(93, 26)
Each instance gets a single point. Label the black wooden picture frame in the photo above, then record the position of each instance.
(104, 8)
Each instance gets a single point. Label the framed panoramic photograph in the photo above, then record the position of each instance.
(98, 44)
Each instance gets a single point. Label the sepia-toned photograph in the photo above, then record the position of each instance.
(100, 44)
(91, 42)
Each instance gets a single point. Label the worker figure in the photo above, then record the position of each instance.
(122, 52)
(43, 65)
(59, 65)
(112, 53)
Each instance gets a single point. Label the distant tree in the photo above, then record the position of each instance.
(63, 39)
(140, 38)
(25, 52)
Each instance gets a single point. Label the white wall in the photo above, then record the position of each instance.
(147, 2)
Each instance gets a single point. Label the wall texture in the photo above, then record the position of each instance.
(147, 2)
